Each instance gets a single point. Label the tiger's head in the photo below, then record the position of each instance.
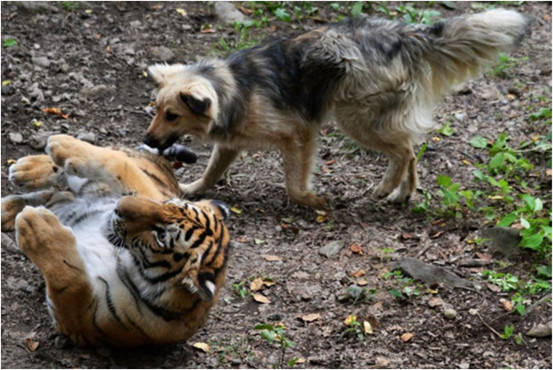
(175, 236)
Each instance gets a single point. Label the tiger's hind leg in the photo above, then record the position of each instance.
(121, 172)
(12, 205)
(52, 248)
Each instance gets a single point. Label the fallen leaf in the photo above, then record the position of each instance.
(356, 248)
(494, 288)
(236, 210)
(300, 360)
(244, 10)
(201, 346)
(256, 284)
(436, 139)
(406, 236)
(157, 7)
(207, 30)
(359, 273)
(506, 304)
(10, 161)
(181, 12)
(407, 337)
(311, 317)
(435, 301)
(260, 298)
(466, 162)
(362, 282)
(88, 11)
(55, 111)
(367, 327)
(548, 172)
(321, 218)
(272, 258)
(6, 82)
(258, 241)
(32, 345)
(36, 123)
(350, 319)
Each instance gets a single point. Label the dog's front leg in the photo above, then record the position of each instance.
(298, 162)
(220, 160)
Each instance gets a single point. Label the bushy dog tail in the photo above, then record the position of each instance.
(463, 46)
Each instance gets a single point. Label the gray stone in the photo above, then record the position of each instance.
(135, 24)
(450, 313)
(89, 137)
(35, 92)
(16, 137)
(41, 61)
(162, 53)
(331, 249)
(460, 116)
(7, 90)
(97, 90)
(227, 13)
(540, 331)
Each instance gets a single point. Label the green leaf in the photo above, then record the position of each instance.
(264, 327)
(507, 331)
(532, 241)
(479, 142)
(357, 9)
(446, 129)
(507, 220)
(544, 271)
(444, 181)
(524, 222)
(335, 6)
(497, 161)
(269, 336)
(396, 293)
(282, 14)
(9, 42)
(293, 361)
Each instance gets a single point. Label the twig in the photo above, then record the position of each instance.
(489, 327)
(540, 301)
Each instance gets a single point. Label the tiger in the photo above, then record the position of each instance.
(126, 261)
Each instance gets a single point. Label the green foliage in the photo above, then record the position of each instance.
(357, 9)
(479, 142)
(9, 42)
(505, 64)
(274, 334)
(446, 129)
(508, 331)
(414, 15)
(70, 5)
(354, 327)
(407, 287)
(241, 290)
(506, 282)
(282, 14)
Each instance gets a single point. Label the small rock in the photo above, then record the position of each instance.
(464, 365)
(162, 53)
(435, 301)
(540, 331)
(227, 12)
(38, 141)
(331, 249)
(381, 362)
(8, 90)
(135, 24)
(450, 313)
(16, 137)
(35, 92)
(490, 93)
(89, 137)
(41, 61)
(97, 90)
(460, 116)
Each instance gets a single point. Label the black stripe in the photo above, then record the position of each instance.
(200, 239)
(177, 257)
(217, 252)
(95, 323)
(196, 216)
(84, 216)
(138, 328)
(189, 233)
(109, 302)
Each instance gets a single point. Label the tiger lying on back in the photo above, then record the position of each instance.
(121, 270)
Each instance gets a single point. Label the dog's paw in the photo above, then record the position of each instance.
(34, 172)
(193, 188)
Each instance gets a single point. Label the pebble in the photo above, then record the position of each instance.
(89, 137)
(227, 12)
(460, 116)
(38, 141)
(162, 53)
(450, 313)
(16, 137)
(7, 90)
(331, 249)
(35, 92)
(41, 61)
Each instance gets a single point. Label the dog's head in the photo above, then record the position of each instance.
(186, 104)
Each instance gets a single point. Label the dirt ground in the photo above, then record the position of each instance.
(90, 60)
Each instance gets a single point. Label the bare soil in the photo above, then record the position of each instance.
(90, 61)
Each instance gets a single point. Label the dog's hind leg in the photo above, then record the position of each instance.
(298, 162)
(221, 158)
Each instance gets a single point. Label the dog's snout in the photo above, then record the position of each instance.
(151, 141)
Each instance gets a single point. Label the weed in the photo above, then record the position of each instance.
(505, 64)
(413, 15)
(70, 5)
(355, 327)
(446, 129)
(508, 331)
(241, 289)
(9, 42)
(275, 334)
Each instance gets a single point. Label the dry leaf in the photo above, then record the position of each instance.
(272, 258)
(207, 30)
(181, 12)
(356, 248)
(548, 172)
(362, 282)
(260, 298)
(300, 360)
(10, 161)
(311, 317)
(367, 327)
(506, 304)
(236, 210)
(201, 346)
(56, 111)
(350, 319)
(435, 301)
(256, 284)
(407, 337)
(436, 139)
(244, 10)
(359, 273)
(32, 345)
(6, 82)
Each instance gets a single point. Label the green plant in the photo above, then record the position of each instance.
(9, 42)
(507, 332)
(355, 327)
(407, 286)
(506, 282)
(414, 15)
(275, 334)
(70, 5)
(505, 64)
(241, 289)
(446, 129)
(357, 9)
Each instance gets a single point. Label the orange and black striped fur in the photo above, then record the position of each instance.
(124, 270)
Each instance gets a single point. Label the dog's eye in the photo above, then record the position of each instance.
(171, 116)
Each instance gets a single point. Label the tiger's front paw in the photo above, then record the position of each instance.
(34, 172)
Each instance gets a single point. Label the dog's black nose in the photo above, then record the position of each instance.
(181, 153)
(151, 141)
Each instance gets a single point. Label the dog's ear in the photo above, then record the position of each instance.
(163, 73)
(196, 105)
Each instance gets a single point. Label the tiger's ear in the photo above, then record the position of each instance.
(197, 105)
(163, 73)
